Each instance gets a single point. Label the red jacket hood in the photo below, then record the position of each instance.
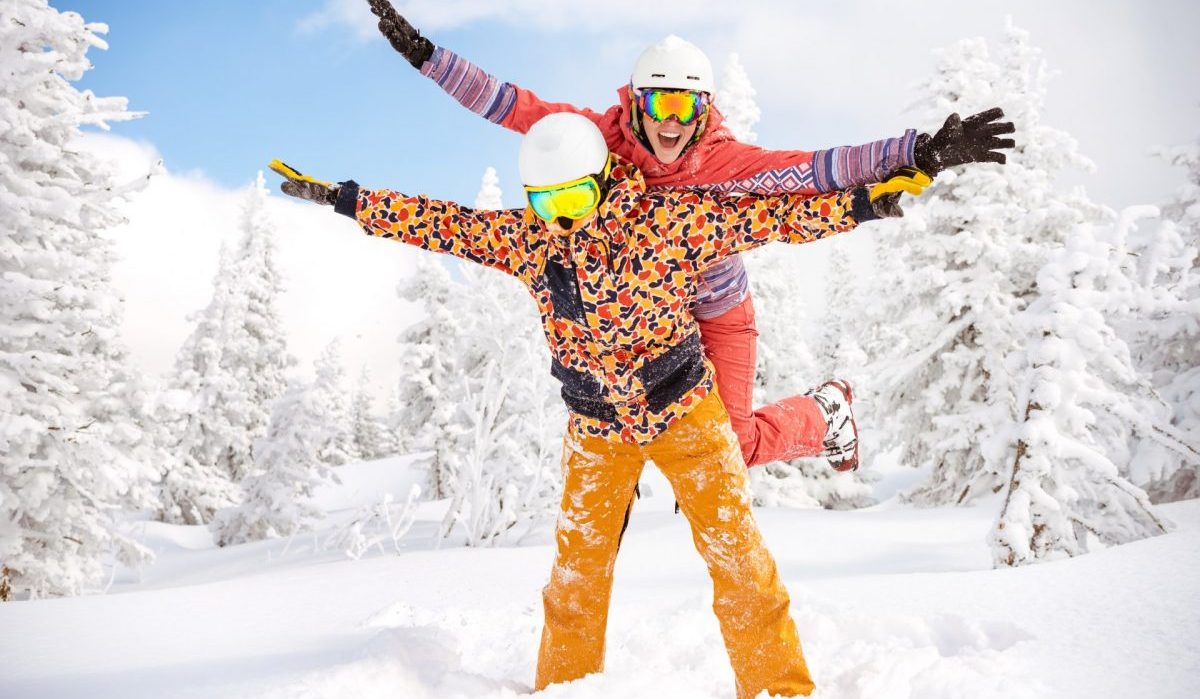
(707, 155)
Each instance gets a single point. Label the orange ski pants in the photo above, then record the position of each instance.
(699, 455)
(789, 429)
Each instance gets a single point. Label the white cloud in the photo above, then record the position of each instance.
(339, 282)
(588, 16)
(354, 15)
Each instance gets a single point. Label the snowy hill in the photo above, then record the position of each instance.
(891, 602)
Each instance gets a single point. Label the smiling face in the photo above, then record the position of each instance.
(668, 138)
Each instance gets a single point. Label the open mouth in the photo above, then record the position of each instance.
(669, 140)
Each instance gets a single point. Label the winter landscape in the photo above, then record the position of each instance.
(245, 452)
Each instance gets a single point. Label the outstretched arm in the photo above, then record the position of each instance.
(712, 227)
(488, 237)
(759, 171)
(499, 102)
(975, 139)
(494, 238)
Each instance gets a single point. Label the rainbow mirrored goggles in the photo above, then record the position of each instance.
(685, 105)
(574, 200)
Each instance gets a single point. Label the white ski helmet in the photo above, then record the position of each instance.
(559, 148)
(673, 63)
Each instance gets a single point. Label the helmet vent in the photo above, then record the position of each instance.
(658, 75)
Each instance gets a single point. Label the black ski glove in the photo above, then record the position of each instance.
(302, 186)
(403, 36)
(961, 141)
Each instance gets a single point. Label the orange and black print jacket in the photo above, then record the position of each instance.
(614, 296)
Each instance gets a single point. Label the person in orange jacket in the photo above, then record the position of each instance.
(612, 267)
(666, 124)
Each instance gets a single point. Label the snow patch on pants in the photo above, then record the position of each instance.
(656, 652)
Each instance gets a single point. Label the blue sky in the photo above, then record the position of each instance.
(229, 84)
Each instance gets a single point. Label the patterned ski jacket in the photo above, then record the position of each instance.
(614, 296)
(716, 162)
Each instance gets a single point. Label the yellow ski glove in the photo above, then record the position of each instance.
(885, 196)
(300, 185)
(906, 179)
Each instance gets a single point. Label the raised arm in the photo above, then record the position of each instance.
(499, 102)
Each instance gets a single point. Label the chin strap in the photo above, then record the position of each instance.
(636, 118)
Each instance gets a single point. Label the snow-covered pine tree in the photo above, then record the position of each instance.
(837, 335)
(1080, 398)
(433, 355)
(478, 316)
(372, 440)
(229, 371)
(482, 501)
(785, 364)
(396, 442)
(1166, 342)
(72, 450)
(197, 480)
(257, 354)
(490, 196)
(736, 101)
(436, 353)
(507, 438)
(277, 497)
(329, 397)
(1141, 439)
(961, 266)
(504, 442)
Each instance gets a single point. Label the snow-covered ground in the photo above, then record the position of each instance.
(891, 602)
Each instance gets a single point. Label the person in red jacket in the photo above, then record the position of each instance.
(666, 124)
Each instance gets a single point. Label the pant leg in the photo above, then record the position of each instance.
(789, 429)
(598, 476)
(699, 455)
(730, 342)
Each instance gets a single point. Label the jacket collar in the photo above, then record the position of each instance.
(713, 136)
(617, 213)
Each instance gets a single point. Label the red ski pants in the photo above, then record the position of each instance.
(789, 429)
(699, 456)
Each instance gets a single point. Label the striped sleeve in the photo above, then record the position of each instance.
(853, 166)
(470, 85)
(720, 288)
(794, 179)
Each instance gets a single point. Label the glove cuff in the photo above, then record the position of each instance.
(861, 207)
(346, 203)
(420, 51)
(922, 156)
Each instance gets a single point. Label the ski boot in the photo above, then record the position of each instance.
(841, 435)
